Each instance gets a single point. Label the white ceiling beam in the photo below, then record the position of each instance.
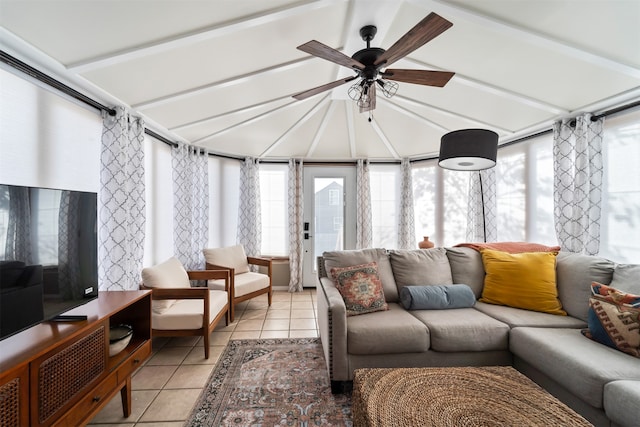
(320, 131)
(233, 81)
(471, 120)
(185, 40)
(496, 90)
(240, 110)
(296, 125)
(374, 12)
(243, 123)
(528, 36)
(384, 139)
(413, 115)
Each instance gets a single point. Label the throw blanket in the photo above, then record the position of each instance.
(511, 247)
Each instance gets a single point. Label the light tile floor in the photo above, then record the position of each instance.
(166, 387)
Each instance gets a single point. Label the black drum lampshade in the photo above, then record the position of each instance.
(468, 150)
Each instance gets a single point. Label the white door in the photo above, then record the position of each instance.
(329, 214)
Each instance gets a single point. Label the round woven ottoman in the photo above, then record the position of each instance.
(443, 397)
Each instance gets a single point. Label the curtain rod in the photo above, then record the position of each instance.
(67, 90)
(56, 84)
(45, 78)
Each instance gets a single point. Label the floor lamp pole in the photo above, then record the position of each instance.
(484, 223)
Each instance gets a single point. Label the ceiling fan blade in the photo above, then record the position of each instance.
(419, 77)
(323, 51)
(429, 28)
(372, 100)
(316, 90)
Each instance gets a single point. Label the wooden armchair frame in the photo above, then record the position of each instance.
(195, 293)
(264, 262)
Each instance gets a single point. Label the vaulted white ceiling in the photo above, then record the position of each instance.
(220, 74)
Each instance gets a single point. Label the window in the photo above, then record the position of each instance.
(273, 204)
(334, 197)
(337, 223)
(440, 203)
(384, 182)
(620, 226)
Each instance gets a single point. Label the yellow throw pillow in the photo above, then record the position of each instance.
(525, 280)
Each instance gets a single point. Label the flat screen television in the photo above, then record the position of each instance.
(48, 254)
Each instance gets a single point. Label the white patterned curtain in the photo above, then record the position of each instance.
(18, 240)
(296, 226)
(577, 189)
(364, 227)
(69, 246)
(482, 210)
(249, 215)
(190, 204)
(406, 227)
(122, 202)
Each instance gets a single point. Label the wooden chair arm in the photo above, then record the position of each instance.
(219, 267)
(259, 261)
(180, 293)
(208, 274)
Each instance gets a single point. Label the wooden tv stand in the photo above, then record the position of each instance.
(60, 373)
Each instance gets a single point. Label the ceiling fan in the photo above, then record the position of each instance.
(368, 63)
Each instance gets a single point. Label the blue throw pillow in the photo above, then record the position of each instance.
(437, 297)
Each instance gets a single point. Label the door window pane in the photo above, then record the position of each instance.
(329, 214)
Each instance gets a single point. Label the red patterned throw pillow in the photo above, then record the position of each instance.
(360, 287)
(614, 319)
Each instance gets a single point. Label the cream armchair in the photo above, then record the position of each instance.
(244, 283)
(181, 310)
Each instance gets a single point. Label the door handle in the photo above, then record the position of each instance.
(306, 236)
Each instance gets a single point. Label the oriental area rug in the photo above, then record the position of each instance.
(270, 382)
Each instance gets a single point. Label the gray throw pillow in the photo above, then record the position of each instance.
(423, 266)
(437, 297)
(626, 277)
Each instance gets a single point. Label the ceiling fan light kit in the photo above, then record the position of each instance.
(468, 150)
(368, 63)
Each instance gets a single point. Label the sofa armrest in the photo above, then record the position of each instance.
(332, 323)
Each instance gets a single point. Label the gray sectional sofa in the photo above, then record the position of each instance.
(600, 383)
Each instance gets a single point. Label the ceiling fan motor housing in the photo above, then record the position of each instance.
(368, 57)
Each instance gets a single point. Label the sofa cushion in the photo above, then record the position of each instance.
(395, 331)
(626, 277)
(515, 317)
(524, 280)
(420, 267)
(167, 274)
(466, 267)
(574, 274)
(614, 319)
(436, 297)
(230, 257)
(621, 402)
(579, 364)
(360, 288)
(363, 256)
(463, 329)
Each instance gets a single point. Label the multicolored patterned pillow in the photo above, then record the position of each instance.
(360, 287)
(614, 319)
